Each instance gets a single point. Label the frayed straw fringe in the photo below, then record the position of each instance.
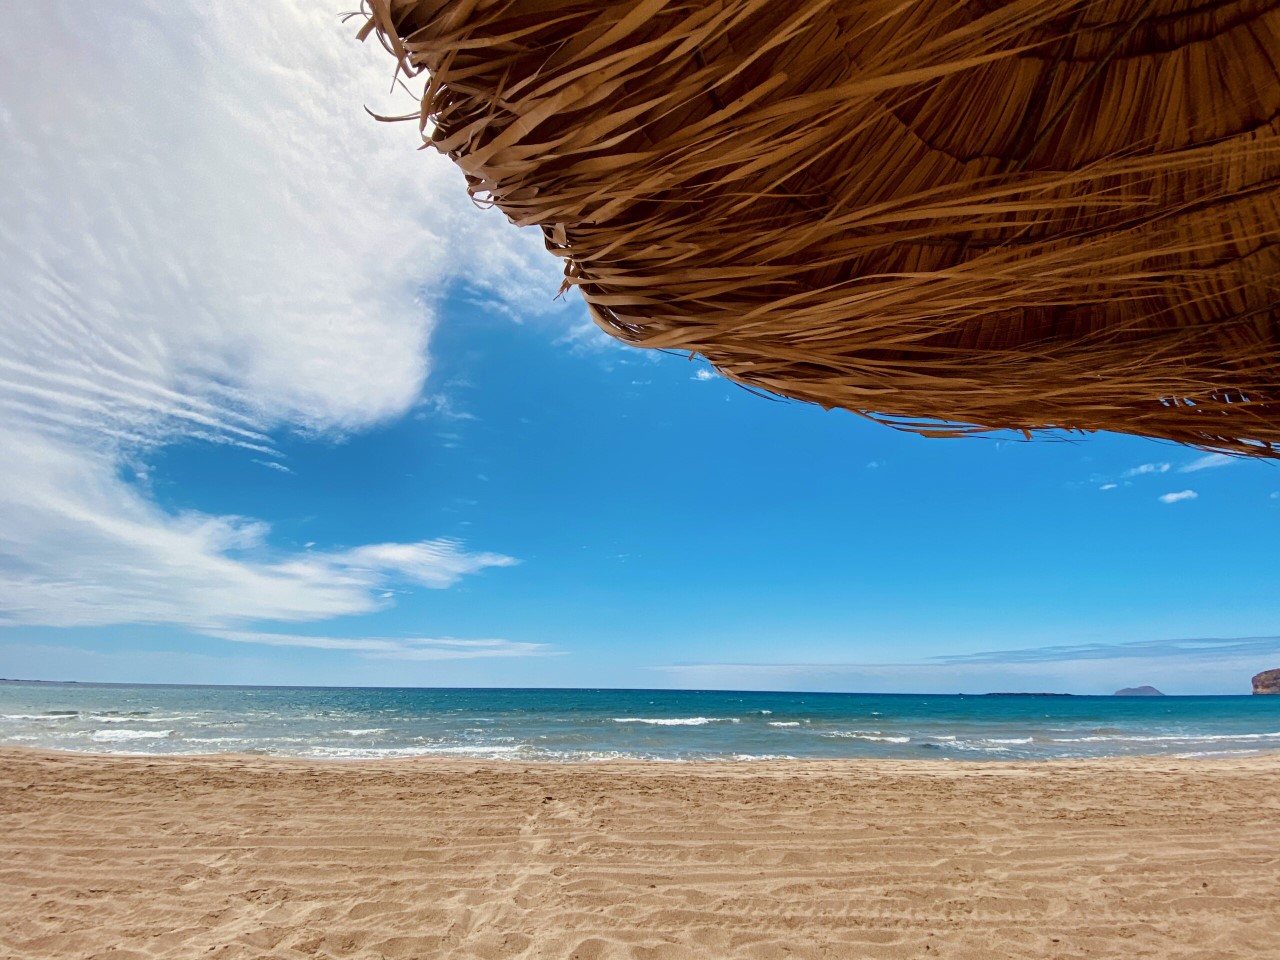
(947, 216)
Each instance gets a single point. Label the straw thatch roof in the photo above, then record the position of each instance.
(945, 214)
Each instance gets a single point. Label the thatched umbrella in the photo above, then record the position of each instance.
(948, 215)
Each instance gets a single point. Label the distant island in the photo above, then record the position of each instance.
(1268, 681)
(1143, 691)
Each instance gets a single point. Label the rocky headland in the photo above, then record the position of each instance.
(1268, 681)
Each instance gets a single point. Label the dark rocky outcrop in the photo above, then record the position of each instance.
(1143, 691)
(1268, 681)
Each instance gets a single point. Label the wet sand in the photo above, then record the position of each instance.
(143, 857)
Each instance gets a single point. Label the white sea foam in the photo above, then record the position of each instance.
(364, 732)
(1173, 738)
(594, 756)
(676, 721)
(121, 736)
(366, 753)
(477, 749)
(979, 746)
(784, 723)
(864, 735)
(120, 719)
(375, 753)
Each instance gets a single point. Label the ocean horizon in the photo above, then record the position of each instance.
(569, 724)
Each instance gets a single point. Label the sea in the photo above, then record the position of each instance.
(330, 723)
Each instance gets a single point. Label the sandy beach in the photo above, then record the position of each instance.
(143, 857)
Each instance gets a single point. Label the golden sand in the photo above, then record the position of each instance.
(140, 857)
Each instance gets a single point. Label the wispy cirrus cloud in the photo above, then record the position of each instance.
(275, 465)
(207, 238)
(1178, 496)
(1208, 648)
(1202, 665)
(430, 563)
(81, 547)
(586, 338)
(1209, 461)
(394, 648)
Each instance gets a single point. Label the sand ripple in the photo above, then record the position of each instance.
(143, 858)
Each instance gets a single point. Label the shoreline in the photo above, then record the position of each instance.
(1259, 754)
(233, 856)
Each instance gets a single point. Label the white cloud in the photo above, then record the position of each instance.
(273, 465)
(431, 563)
(206, 237)
(704, 374)
(1207, 462)
(586, 338)
(443, 406)
(213, 234)
(394, 648)
(81, 547)
(1179, 496)
(1107, 486)
(1147, 468)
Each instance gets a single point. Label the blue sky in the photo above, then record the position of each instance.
(281, 406)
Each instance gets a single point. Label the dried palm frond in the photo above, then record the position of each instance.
(948, 215)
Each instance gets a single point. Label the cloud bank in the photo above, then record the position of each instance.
(1187, 666)
(394, 648)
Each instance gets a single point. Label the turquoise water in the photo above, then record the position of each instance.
(334, 723)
